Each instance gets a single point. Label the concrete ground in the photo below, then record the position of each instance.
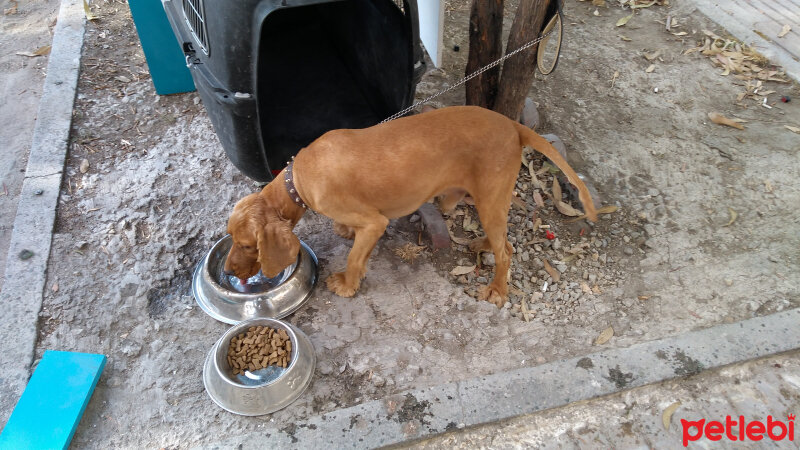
(156, 190)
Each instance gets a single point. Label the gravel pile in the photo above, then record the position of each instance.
(583, 257)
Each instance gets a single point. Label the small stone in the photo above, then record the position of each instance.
(530, 115)
(628, 250)
(561, 267)
(585, 275)
(507, 305)
(525, 256)
(592, 278)
(556, 244)
(378, 380)
(463, 279)
(25, 254)
(84, 167)
(325, 368)
(39, 192)
(414, 218)
(482, 280)
(505, 314)
(653, 192)
(488, 259)
(557, 143)
(728, 282)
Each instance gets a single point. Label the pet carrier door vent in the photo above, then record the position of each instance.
(194, 12)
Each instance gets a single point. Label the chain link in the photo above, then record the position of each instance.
(468, 77)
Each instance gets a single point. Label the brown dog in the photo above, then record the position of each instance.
(363, 178)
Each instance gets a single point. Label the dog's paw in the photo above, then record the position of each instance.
(492, 295)
(344, 231)
(337, 283)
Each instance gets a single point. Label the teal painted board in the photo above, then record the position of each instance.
(164, 55)
(49, 410)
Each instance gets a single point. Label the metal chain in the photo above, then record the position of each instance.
(468, 77)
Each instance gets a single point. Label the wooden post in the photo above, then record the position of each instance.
(485, 46)
(518, 71)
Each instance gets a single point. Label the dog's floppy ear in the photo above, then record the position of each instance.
(277, 247)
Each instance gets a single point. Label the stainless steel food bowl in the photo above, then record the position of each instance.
(265, 390)
(227, 299)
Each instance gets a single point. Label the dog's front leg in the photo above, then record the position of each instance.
(345, 284)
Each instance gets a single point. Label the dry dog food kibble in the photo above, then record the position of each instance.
(258, 348)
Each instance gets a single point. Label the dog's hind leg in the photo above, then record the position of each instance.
(493, 213)
(345, 284)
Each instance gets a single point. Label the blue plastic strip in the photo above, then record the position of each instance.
(49, 410)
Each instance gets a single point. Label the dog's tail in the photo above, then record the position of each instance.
(530, 138)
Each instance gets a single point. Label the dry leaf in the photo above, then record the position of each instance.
(596, 12)
(599, 2)
(524, 307)
(458, 240)
(722, 120)
(652, 56)
(123, 78)
(585, 288)
(624, 38)
(666, 417)
(462, 270)
(12, 10)
(650, 68)
(624, 20)
(680, 33)
(556, 190)
(515, 290)
(518, 202)
(785, 30)
(608, 209)
(554, 274)
(577, 249)
(605, 336)
(768, 186)
(84, 167)
(41, 51)
(734, 215)
(88, 11)
(644, 5)
(534, 179)
(793, 129)
(567, 210)
(55, 286)
(537, 198)
(537, 224)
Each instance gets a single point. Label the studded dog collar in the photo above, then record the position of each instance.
(288, 178)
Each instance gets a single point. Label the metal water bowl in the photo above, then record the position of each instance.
(228, 299)
(264, 390)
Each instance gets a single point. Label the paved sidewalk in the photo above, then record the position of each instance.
(634, 419)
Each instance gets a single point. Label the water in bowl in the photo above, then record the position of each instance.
(253, 285)
(260, 376)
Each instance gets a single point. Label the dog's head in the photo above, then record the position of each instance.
(262, 239)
